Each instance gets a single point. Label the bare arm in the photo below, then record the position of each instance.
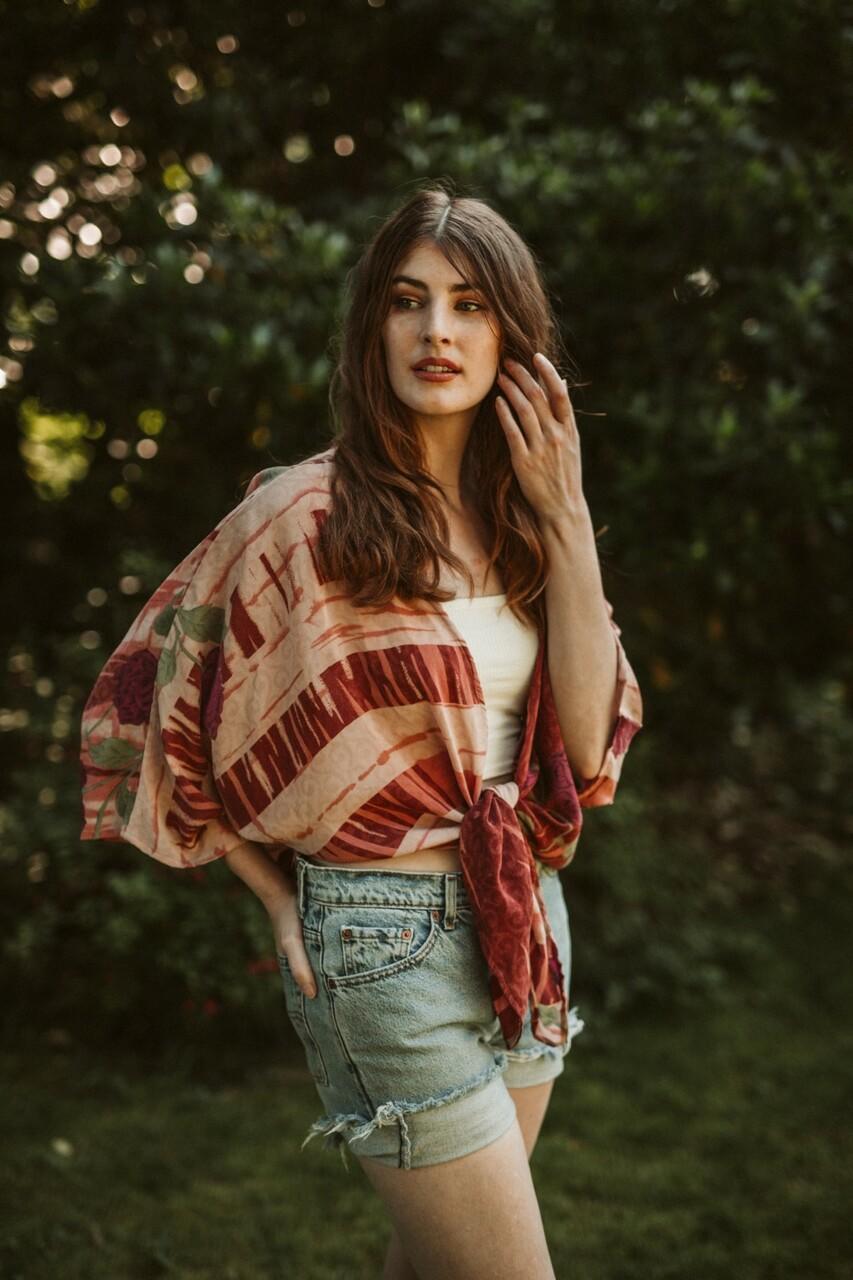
(582, 655)
(276, 889)
(253, 865)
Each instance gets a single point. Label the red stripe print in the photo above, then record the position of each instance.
(248, 636)
(347, 689)
(274, 578)
(318, 515)
(380, 826)
(191, 809)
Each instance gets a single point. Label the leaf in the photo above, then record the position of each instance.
(115, 753)
(163, 621)
(204, 622)
(125, 799)
(166, 667)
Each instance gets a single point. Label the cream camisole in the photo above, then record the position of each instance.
(504, 652)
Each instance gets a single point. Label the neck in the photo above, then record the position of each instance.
(443, 445)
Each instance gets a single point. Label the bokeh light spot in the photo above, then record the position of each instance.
(297, 148)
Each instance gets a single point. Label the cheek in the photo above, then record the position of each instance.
(490, 345)
(392, 336)
(490, 355)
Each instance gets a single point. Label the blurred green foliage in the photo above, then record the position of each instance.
(182, 194)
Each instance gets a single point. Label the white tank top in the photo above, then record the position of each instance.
(504, 652)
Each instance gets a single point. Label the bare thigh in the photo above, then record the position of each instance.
(475, 1218)
(531, 1105)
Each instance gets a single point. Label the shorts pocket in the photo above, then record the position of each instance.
(367, 946)
(368, 943)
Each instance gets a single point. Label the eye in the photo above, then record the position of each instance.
(467, 302)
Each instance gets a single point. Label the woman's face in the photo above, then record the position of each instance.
(434, 312)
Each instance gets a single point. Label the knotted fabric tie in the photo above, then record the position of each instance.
(511, 919)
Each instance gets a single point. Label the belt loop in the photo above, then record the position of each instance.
(450, 883)
(300, 887)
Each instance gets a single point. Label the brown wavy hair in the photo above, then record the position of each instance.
(386, 533)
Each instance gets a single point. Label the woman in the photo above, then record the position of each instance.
(372, 689)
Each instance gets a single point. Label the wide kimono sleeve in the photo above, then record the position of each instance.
(601, 789)
(148, 723)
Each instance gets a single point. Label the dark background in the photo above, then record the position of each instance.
(182, 190)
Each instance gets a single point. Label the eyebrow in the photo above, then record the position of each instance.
(419, 284)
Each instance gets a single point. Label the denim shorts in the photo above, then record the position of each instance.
(401, 1039)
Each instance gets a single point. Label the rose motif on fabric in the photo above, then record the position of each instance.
(214, 672)
(134, 687)
(103, 690)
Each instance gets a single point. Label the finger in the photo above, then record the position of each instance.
(514, 435)
(303, 976)
(557, 389)
(556, 386)
(528, 413)
(538, 390)
(300, 968)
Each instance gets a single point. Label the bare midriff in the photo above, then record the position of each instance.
(441, 859)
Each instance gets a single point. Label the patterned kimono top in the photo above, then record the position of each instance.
(251, 701)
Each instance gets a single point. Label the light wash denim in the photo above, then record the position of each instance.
(401, 1040)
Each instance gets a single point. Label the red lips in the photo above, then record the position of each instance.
(441, 360)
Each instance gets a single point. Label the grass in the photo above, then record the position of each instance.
(711, 1145)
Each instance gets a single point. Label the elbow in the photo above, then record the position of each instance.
(590, 769)
(591, 765)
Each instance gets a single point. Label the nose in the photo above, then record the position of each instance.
(437, 323)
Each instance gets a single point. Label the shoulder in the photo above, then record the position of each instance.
(297, 488)
(311, 475)
(279, 508)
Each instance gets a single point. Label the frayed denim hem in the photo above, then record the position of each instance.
(341, 1129)
(576, 1025)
